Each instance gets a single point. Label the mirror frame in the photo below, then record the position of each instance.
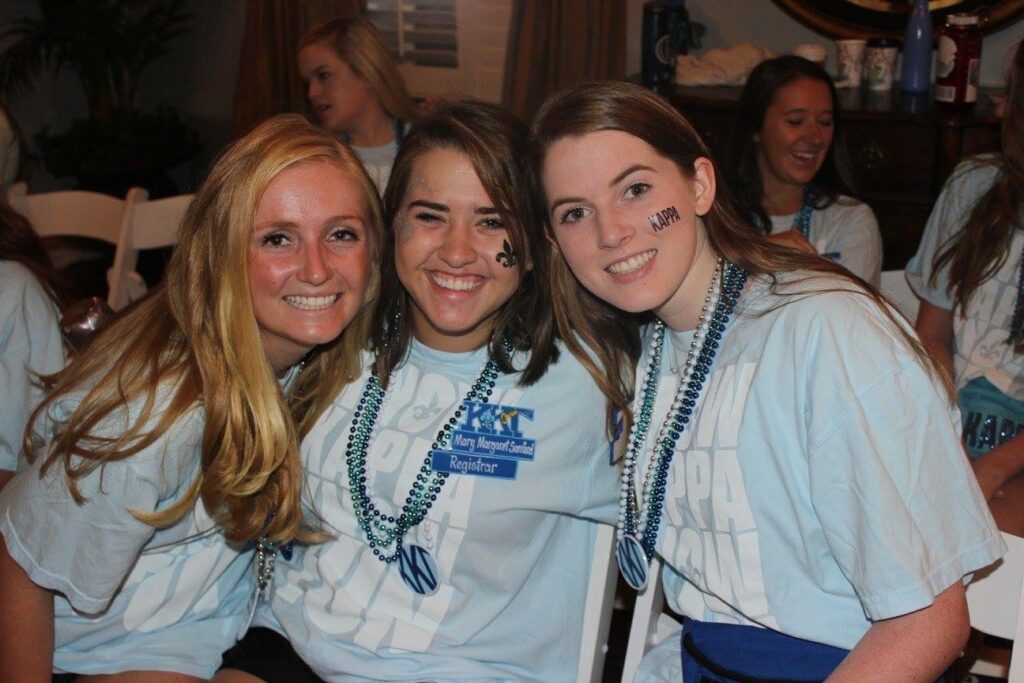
(888, 18)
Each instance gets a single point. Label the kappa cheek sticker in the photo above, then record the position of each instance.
(662, 219)
(506, 257)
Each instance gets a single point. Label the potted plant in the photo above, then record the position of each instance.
(108, 44)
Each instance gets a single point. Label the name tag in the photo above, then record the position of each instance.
(478, 465)
(488, 442)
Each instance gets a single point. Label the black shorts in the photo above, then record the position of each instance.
(266, 654)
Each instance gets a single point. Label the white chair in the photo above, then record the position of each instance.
(895, 288)
(650, 625)
(71, 213)
(597, 613)
(144, 225)
(996, 604)
(74, 213)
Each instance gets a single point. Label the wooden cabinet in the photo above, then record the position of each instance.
(900, 150)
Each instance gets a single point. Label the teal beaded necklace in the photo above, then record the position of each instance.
(382, 530)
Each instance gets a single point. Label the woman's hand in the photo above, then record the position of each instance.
(794, 239)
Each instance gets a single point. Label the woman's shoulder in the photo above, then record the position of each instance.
(801, 298)
(17, 282)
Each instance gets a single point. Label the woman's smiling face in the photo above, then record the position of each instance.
(626, 219)
(452, 253)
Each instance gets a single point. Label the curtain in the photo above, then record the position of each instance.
(268, 79)
(554, 44)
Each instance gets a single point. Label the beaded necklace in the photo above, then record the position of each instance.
(639, 520)
(803, 216)
(417, 568)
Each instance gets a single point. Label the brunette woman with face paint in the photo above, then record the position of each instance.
(793, 458)
(783, 164)
(461, 471)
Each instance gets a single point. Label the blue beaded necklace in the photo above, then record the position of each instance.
(416, 566)
(639, 520)
(803, 216)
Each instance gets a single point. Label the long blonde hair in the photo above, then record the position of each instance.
(358, 43)
(194, 342)
(586, 321)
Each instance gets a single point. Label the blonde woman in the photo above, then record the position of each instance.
(173, 440)
(355, 91)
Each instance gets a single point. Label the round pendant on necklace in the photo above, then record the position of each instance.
(418, 570)
(632, 562)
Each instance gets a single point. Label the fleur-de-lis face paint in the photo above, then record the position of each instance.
(662, 219)
(507, 256)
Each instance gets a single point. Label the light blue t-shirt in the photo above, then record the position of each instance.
(821, 484)
(129, 597)
(30, 344)
(980, 332)
(845, 231)
(514, 554)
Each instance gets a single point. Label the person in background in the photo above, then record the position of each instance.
(969, 274)
(782, 165)
(794, 458)
(356, 92)
(461, 475)
(32, 296)
(172, 440)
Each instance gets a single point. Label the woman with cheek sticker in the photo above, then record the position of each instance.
(355, 91)
(463, 472)
(793, 457)
(172, 442)
(783, 162)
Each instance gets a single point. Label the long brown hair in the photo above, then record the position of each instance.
(194, 342)
(587, 322)
(493, 139)
(982, 246)
(19, 242)
(741, 169)
(358, 43)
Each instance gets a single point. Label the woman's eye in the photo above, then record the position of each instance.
(825, 122)
(637, 190)
(323, 75)
(344, 235)
(493, 222)
(572, 215)
(275, 239)
(427, 217)
(794, 122)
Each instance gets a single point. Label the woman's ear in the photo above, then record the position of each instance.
(703, 185)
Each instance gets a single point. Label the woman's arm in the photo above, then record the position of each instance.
(26, 625)
(999, 465)
(935, 328)
(914, 647)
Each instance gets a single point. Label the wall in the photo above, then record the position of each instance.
(197, 77)
(762, 22)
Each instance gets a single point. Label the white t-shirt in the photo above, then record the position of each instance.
(513, 545)
(30, 344)
(980, 332)
(821, 484)
(845, 231)
(129, 597)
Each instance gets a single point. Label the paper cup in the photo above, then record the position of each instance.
(850, 62)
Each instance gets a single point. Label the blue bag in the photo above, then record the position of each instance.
(730, 653)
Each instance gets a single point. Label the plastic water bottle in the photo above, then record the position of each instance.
(915, 74)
